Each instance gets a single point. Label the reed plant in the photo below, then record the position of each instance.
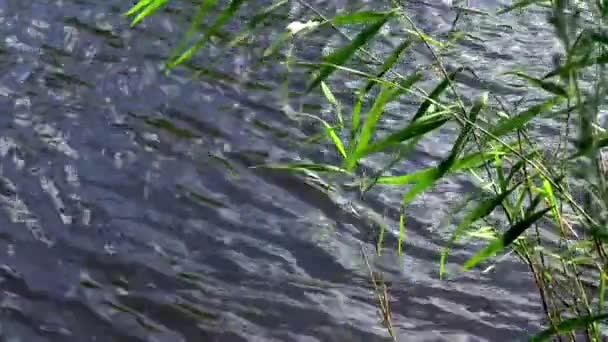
(552, 199)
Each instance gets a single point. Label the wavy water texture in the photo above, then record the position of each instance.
(128, 211)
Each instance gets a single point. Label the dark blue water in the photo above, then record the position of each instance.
(130, 211)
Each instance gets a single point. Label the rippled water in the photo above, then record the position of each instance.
(129, 211)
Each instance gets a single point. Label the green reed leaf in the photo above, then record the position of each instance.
(508, 237)
(519, 5)
(388, 64)
(484, 209)
(467, 162)
(305, 167)
(550, 194)
(439, 89)
(255, 21)
(446, 165)
(578, 64)
(203, 9)
(568, 325)
(552, 87)
(341, 56)
(145, 9)
(222, 18)
(412, 130)
(332, 99)
(520, 120)
(369, 125)
(140, 5)
(405, 85)
(401, 234)
(362, 17)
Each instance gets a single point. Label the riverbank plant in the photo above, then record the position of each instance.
(543, 199)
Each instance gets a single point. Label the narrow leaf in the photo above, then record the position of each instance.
(501, 243)
(520, 120)
(413, 130)
(446, 165)
(551, 87)
(141, 4)
(148, 10)
(305, 167)
(342, 55)
(439, 89)
(358, 17)
(568, 326)
(332, 99)
(518, 5)
(370, 124)
(204, 7)
(469, 161)
(222, 18)
(405, 85)
(387, 65)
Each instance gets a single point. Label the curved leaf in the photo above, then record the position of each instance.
(484, 209)
(501, 243)
(342, 55)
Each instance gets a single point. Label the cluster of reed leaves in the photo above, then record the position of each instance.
(553, 200)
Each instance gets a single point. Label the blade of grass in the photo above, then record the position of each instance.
(484, 209)
(222, 18)
(203, 9)
(369, 125)
(439, 89)
(332, 100)
(469, 161)
(520, 120)
(140, 5)
(405, 85)
(568, 325)
(331, 133)
(508, 237)
(519, 5)
(387, 65)
(446, 165)
(362, 17)
(578, 64)
(145, 9)
(304, 167)
(413, 130)
(549, 193)
(552, 87)
(342, 55)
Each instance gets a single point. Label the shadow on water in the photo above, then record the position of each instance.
(130, 211)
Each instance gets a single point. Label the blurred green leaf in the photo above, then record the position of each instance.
(222, 18)
(508, 237)
(520, 5)
(145, 9)
(389, 62)
(305, 167)
(469, 161)
(369, 125)
(204, 7)
(551, 87)
(341, 56)
(405, 85)
(578, 64)
(446, 165)
(413, 130)
(332, 99)
(363, 17)
(439, 89)
(520, 120)
(568, 325)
